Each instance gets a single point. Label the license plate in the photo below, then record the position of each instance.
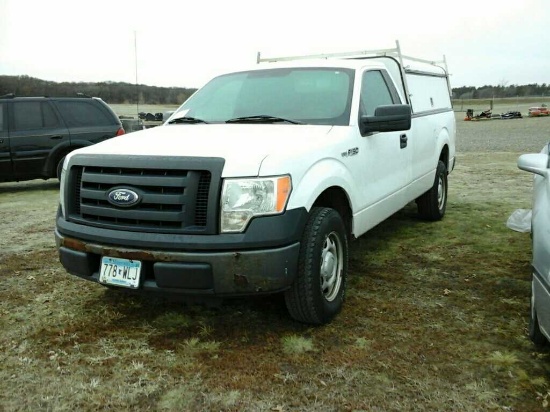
(120, 272)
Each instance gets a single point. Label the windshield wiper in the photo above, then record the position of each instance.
(186, 119)
(261, 119)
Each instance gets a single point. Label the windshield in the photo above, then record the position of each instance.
(299, 95)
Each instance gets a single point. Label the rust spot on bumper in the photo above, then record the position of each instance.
(240, 280)
(76, 244)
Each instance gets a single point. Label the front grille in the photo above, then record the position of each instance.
(172, 199)
(78, 188)
(202, 199)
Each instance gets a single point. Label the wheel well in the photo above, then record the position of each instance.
(336, 198)
(52, 169)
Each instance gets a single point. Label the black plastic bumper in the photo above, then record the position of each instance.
(262, 260)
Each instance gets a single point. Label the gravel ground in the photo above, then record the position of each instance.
(527, 135)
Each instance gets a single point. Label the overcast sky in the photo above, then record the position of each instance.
(184, 43)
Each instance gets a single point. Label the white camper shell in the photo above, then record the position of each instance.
(424, 83)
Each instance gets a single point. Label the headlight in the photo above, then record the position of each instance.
(242, 199)
(62, 191)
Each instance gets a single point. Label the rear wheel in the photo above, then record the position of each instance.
(535, 333)
(317, 294)
(432, 204)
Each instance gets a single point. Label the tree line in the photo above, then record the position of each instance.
(111, 92)
(119, 92)
(501, 91)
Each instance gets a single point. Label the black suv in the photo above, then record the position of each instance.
(37, 132)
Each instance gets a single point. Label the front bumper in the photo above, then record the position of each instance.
(264, 259)
(190, 273)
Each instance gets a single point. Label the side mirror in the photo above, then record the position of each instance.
(535, 163)
(392, 118)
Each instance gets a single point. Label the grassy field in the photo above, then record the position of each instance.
(435, 318)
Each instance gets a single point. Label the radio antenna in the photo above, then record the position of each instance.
(137, 86)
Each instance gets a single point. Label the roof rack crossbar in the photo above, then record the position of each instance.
(432, 62)
(392, 52)
(366, 53)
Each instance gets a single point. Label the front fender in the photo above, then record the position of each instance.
(319, 177)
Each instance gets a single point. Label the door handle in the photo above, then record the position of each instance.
(403, 141)
(56, 137)
(1, 140)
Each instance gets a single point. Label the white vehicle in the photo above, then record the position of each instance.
(538, 164)
(258, 181)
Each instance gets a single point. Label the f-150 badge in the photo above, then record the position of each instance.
(351, 152)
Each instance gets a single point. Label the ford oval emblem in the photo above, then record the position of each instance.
(123, 197)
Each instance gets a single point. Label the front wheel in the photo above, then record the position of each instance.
(432, 204)
(317, 294)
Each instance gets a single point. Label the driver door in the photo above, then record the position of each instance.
(385, 168)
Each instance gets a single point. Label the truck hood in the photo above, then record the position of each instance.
(243, 146)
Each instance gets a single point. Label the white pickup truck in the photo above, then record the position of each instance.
(259, 180)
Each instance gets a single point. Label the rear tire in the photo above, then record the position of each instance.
(317, 294)
(535, 334)
(432, 204)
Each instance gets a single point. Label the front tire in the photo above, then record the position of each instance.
(317, 294)
(432, 204)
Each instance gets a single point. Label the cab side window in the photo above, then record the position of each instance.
(375, 92)
(34, 116)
